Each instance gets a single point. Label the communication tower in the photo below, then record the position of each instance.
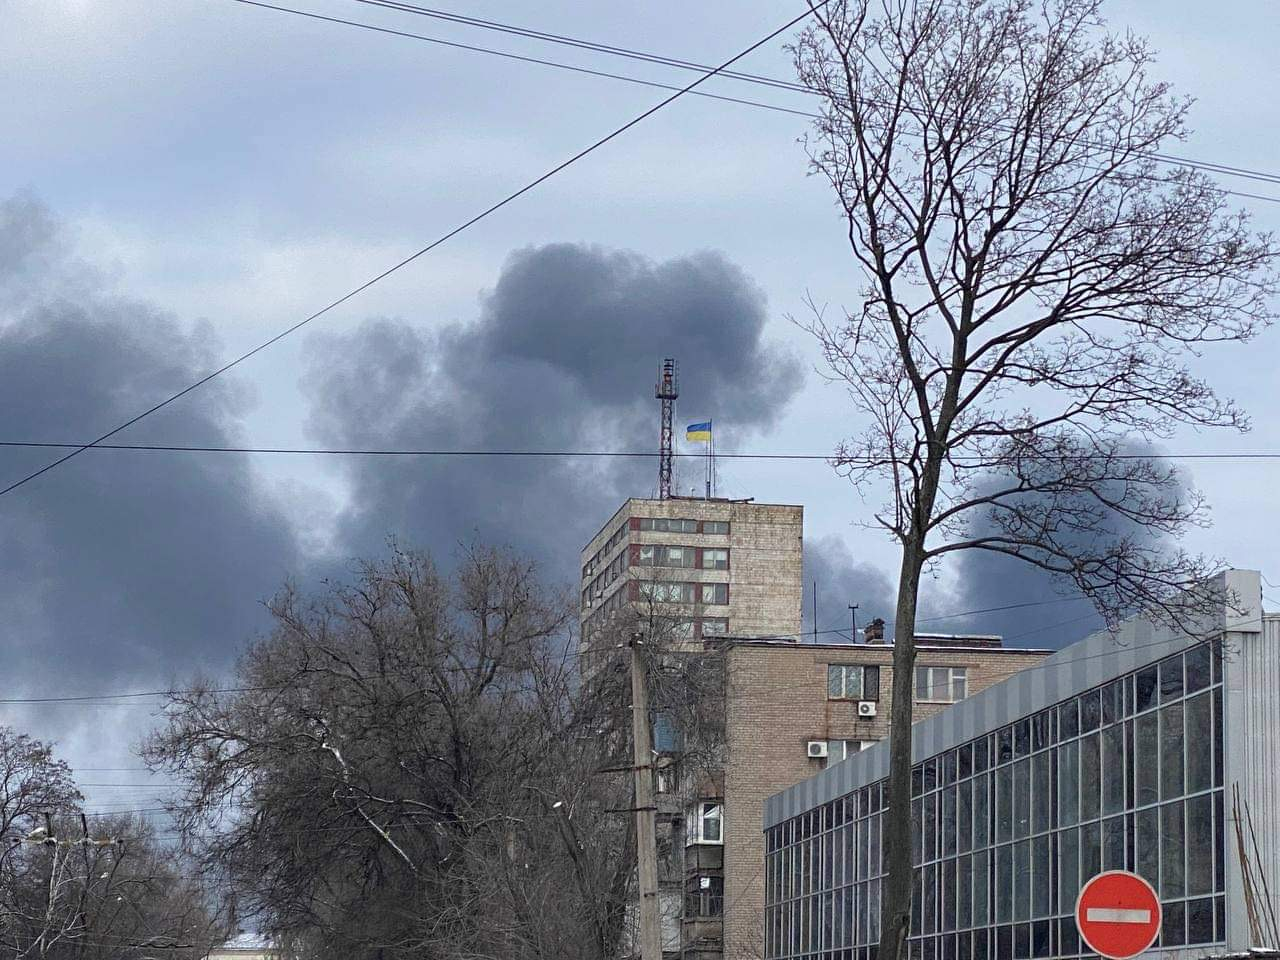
(667, 389)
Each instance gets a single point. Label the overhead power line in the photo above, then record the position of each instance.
(598, 454)
(444, 238)
(754, 78)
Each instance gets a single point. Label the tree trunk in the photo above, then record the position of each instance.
(895, 898)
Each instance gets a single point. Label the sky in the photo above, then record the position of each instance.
(183, 180)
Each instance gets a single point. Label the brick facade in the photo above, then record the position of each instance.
(776, 702)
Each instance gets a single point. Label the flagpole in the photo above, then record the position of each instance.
(710, 441)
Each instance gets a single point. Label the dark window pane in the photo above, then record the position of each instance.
(1113, 843)
(1004, 942)
(1215, 654)
(1090, 711)
(1113, 769)
(965, 759)
(1171, 755)
(1041, 789)
(964, 816)
(1022, 738)
(1220, 917)
(1021, 798)
(1198, 668)
(1004, 803)
(1040, 876)
(1090, 777)
(1004, 883)
(1147, 761)
(1040, 730)
(1199, 727)
(1128, 695)
(1090, 851)
(1022, 881)
(1173, 926)
(1004, 745)
(1147, 845)
(948, 827)
(1040, 946)
(1068, 870)
(1068, 937)
(1170, 679)
(917, 780)
(1112, 702)
(949, 768)
(981, 884)
(1217, 738)
(1069, 783)
(1200, 921)
(980, 755)
(1200, 845)
(982, 810)
(1022, 942)
(1068, 720)
(1145, 685)
(1172, 840)
(1219, 839)
(930, 774)
(964, 886)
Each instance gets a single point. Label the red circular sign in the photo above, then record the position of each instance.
(1118, 914)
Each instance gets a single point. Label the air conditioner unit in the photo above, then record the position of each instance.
(866, 708)
(817, 749)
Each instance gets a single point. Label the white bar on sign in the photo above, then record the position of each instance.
(1107, 915)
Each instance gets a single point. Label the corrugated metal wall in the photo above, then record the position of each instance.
(1256, 746)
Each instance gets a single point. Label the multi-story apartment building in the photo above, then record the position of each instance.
(1152, 750)
(725, 579)
(714, 567)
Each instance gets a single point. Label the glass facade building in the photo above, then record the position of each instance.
(1032, 793)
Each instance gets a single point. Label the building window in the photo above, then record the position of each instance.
(847, 681)
(942, 684)
(838, 750)
(658, 555)
(668, 525)
(715, 559)
(706, 822)
(715, 526)
(715, 626)
(703, 897)
(715, 592)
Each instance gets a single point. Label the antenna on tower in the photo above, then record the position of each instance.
(667, 389)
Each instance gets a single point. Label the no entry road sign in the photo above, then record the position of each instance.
(1118, 914)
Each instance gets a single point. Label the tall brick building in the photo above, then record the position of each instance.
(725, 577)
(716, 567)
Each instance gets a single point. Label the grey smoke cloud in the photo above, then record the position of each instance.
(842, 579)
(563, 356)
(118, 569)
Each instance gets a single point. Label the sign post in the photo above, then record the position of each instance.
(1118, 914)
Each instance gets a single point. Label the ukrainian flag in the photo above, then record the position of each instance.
(698, 431)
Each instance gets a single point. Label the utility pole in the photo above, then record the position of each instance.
(646, 809)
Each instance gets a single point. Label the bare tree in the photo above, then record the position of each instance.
(410, 768)
(74, 891)
(1036, 278)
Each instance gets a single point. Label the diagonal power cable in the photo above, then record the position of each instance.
(444, 238)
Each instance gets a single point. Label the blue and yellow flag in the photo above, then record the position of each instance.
(698, 431)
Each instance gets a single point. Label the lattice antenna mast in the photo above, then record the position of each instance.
(667, 389)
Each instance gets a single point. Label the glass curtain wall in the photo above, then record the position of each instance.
(1007, 827)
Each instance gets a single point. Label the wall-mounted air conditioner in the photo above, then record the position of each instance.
(866, 708)
(817, 749)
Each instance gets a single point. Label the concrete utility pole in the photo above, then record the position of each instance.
(646, 809)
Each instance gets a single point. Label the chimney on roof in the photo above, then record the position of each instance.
(873, 632)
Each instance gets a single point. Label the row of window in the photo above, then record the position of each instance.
(1008, 827)
(678, 525)
(610, 545)
(695, 628)
(661, 555)
(862, 682)
(660, 591)
(595, 589)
